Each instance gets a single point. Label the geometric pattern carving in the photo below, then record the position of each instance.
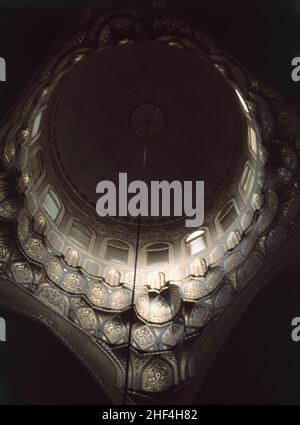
(97, 294)
(223, 296)
(115, 331)
(193, 289)
(87, 318)
(34, 249)
(9, 151)
(143, 338)
(5, 248)
(199, 316)
(73, 283)
(121, 299)
(8, 210)
(52, 297)
(22, 272)
(23, 228)
(173, 334)
(159, 308)
(54, 269)
(157, 376)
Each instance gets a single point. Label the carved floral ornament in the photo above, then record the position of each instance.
(167, 312)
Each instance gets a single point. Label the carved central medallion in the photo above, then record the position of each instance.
(147, 121)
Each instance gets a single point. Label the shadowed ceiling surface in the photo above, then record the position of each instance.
(119, 100)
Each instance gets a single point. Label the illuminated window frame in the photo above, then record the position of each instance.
(242, 101)
(247, 182)
(252, 141)
(199, 237)
(156, 247)
(120, 245)
(225, 211)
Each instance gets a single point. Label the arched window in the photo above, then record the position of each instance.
(157, 253)
(37, 166)
(226, 217)
(80, 234)
(197, 241)
(52, 204)
(247, 181)
(36, 125)
(252, 141)
(117, 251)
(243, 102)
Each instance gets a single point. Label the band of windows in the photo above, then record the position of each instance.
(119, 251)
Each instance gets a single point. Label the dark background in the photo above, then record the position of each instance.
(259, 363)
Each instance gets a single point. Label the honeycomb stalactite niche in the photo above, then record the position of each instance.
(253, 211)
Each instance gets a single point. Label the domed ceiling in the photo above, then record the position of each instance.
(119, 102)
